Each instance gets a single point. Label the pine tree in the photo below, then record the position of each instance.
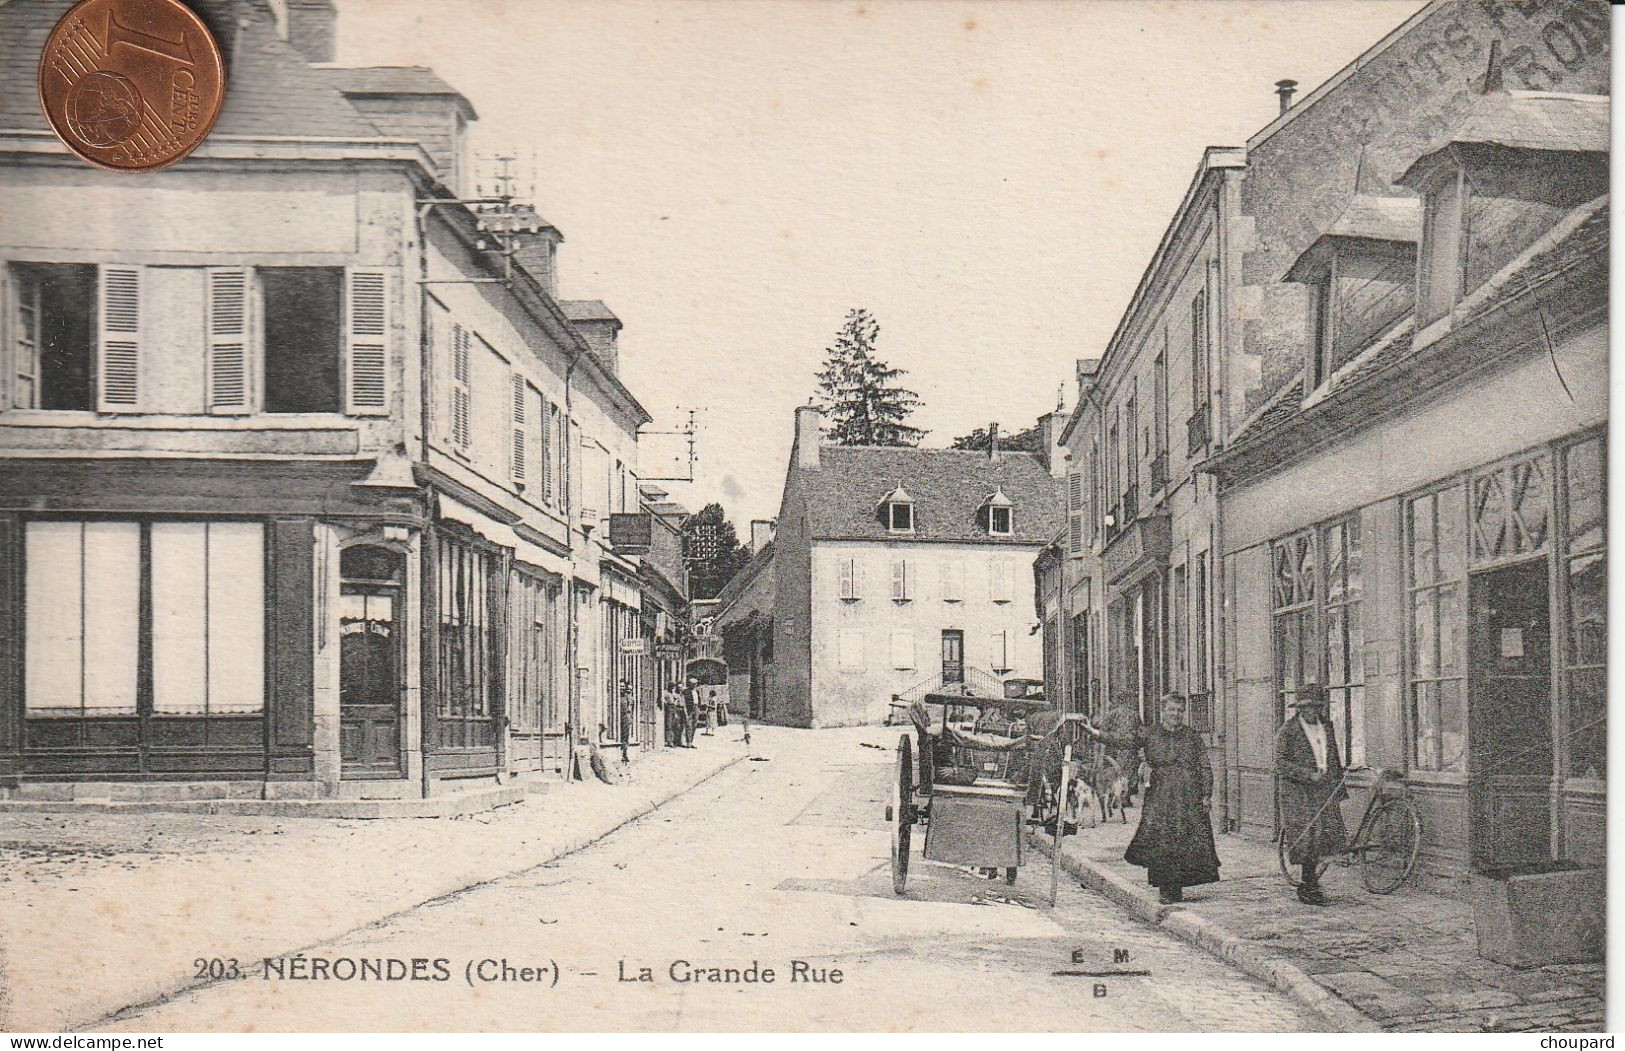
(714, 551)
(1022, 441)
(860, 393)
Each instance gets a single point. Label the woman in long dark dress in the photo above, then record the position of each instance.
(1175, 839)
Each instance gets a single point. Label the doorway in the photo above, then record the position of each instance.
(1509, 716)
(370, 664)
(953, 656)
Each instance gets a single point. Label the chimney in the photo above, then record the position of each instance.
(761, 534)
(1087, 369)
(809, 432)
(1285, 89)
(538, 254)
(599, 326)
(993, 441)
(310, 27)
(1050, 426)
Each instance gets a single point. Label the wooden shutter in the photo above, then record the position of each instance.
(998, 651)
(999, 580)
(461, 433)
(953, 581)
(518, 453)
(899, 580)
(902, 650)
(549, 420)
(228, 340)
(366, 334)
(118, 314)
(849, 578)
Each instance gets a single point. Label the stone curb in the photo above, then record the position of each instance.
(638, 807)
(1188, 926)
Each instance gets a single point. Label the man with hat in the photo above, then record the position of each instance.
(1310, 773)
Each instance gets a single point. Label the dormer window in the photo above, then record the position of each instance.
(897, 511)
(1514, 165)
(1361, 276)
(998, 514)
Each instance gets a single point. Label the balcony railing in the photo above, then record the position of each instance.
(1199, 429)
(1159, 472)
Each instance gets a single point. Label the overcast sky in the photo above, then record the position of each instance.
(989, 179)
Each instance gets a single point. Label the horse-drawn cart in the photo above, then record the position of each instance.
(967, 782)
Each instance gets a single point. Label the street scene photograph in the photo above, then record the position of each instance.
(740, 516)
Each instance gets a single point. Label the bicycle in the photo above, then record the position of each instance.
(1386, 843)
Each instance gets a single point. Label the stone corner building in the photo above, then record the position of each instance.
(304, 485)
(1378, 333)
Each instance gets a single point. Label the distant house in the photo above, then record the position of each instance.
(897, 569)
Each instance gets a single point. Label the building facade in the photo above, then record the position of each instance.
(307, 471)
(1287, 264)
(897, 570)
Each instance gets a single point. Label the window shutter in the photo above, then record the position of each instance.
(849, 584)
(367, 325)
(460, 394)
(12, 362)
(902, 650)
(545, 453)
(995, 581)
(953, 581)
(519, 450)
(899, 580)
(999, 652)
(228, 340)
(119, 344)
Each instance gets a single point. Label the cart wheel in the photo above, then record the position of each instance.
(1010, 875)
(902, 812)
(1391, 845)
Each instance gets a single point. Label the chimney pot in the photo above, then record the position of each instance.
(1285, 89)
(993, 441)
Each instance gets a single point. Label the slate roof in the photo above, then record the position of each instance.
(948, 487)
(1527, 120)
(392, 80)
(270, 87)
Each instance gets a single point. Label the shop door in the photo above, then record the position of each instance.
(953, 656)
(370, 682)
(1509, 716)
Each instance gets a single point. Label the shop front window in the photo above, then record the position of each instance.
(1436, 523)
(1344, 636)
(1292, 601)
(1586, 479)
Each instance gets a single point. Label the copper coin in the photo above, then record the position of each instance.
(131, 85)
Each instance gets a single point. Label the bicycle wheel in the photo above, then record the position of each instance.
(1389, 850)
(1294, 873)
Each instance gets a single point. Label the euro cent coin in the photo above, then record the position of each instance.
(131, 85)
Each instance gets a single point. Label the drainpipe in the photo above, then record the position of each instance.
(572, 627)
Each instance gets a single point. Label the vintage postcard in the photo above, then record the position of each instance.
(803, 515)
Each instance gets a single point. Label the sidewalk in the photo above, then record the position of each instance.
(99, 912)
(1402, 962)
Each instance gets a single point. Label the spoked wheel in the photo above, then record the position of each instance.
(1388, 855)
(901, 812)
(1293, 873)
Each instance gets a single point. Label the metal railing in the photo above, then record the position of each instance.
(1199, 429)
